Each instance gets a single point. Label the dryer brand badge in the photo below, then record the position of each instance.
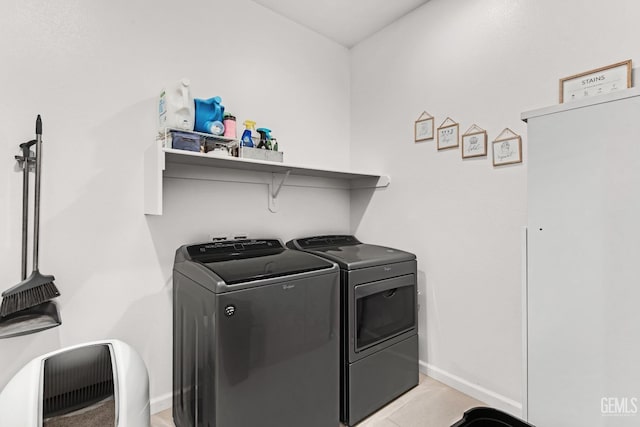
(229, 310)
(288, 286)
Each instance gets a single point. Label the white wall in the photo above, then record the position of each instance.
(94, 70)
(480, 62)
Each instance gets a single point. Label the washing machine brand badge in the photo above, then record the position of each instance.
(229, 310)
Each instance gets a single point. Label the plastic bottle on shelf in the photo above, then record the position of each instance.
(175, 107)
(247, 140)
(230, 126)
(265, 138)
(209, 115)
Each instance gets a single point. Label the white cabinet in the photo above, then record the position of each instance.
(583, 281)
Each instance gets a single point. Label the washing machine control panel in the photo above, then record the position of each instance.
(320, 241)
(233, 248)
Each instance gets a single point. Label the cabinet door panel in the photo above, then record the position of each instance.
(583, 280)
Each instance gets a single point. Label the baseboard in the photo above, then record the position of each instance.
(160, 403)
(492, 399)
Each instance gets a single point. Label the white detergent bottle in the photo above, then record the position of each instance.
(175, 107)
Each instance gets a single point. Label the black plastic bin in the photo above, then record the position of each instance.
(489, 417)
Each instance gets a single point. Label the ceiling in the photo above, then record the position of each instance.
(346, 22)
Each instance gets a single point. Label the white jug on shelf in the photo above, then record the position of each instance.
(175, 107)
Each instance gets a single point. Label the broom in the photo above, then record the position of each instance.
(37, 288)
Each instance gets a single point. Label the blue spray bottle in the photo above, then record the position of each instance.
(246, 140)
(265, 138)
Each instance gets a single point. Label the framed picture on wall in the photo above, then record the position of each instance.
(448, 134)
(507, 148)
(423, 128)
(596, 82)
(474, 142)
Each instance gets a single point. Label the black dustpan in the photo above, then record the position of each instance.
(35, 319)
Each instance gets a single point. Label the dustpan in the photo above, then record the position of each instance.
(35, 319)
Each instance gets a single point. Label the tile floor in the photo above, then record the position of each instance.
(430, 404)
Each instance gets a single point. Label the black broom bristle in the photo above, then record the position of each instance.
(28, 298)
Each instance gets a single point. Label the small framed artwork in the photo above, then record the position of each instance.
(423, 129)
(507, 148)
(448, 134)
(596, 82)
(474, 142)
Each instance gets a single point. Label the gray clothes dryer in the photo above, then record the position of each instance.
(255, 336)
(378, 321)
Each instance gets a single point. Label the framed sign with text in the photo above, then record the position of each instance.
(507, 148)
(474, 142)
(596, 82)
(448, 134)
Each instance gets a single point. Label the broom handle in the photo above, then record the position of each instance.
(26, 159)
(36, 208)
(25, 213)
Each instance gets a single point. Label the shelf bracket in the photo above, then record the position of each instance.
(274, 190)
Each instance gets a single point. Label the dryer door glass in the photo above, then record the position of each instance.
(384, 309)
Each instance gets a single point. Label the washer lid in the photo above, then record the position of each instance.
(349, 252)
(238, 261)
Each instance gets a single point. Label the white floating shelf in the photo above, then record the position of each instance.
(157, 158)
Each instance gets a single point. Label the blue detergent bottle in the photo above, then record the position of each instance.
(247, 140)
(209, 115)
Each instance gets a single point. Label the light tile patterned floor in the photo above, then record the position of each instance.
(430, 404)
